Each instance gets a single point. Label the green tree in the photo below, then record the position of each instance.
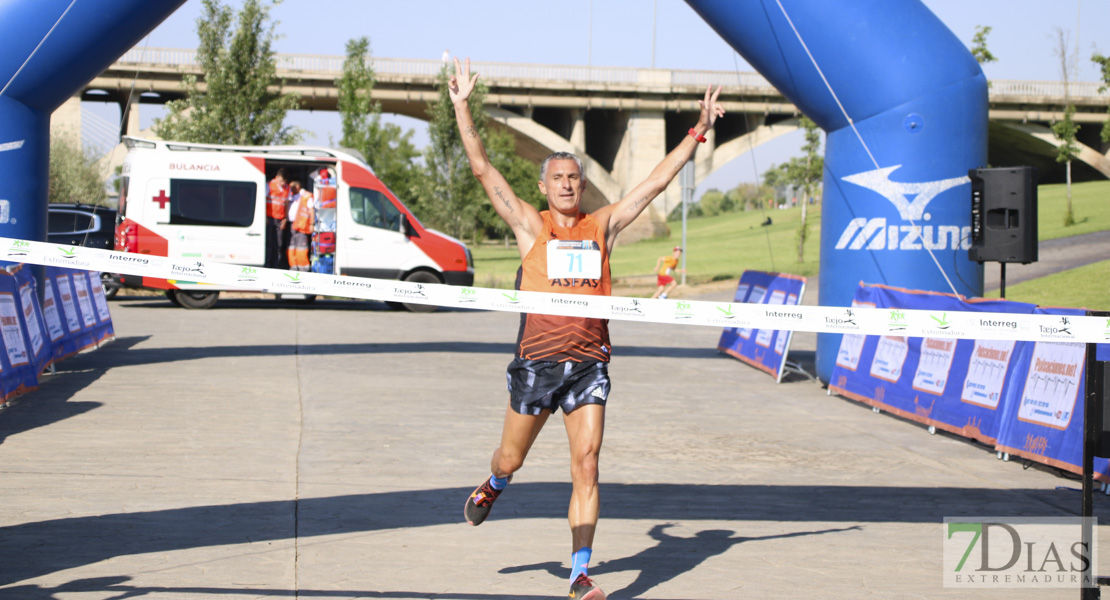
(1066, 129)
(1103, 63)
(806, 172)
(74, 174)
(238, 105)
(979, 45)
(711, 201)
(450, 196)
(693, 211)
(387, 148)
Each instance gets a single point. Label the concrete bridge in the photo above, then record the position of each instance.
(620, 120)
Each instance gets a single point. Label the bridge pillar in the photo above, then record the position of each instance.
(642, 146)
(66, 119)
(129, 116)
(578, 130)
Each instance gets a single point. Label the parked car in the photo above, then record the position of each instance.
(84, 225)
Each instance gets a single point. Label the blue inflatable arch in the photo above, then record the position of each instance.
(51, 49)
(904, 106)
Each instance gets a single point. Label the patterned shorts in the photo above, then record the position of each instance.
(537, 385)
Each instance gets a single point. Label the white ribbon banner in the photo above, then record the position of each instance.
(821, 319)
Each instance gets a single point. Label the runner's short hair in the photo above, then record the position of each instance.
(561, 156)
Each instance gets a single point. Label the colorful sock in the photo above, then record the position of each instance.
(498, 484)
(580, 563)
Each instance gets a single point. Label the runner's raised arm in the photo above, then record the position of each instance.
(521, 217)
(620, 215)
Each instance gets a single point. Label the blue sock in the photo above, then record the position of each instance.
(580, 562)
(498, 484)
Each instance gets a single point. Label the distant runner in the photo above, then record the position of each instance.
(665, 270)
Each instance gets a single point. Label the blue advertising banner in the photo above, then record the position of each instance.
(103, 330)
(952, 384)
(38, 342)
(1043, 420)
(18, 374)
(764, 349)
(76, 326)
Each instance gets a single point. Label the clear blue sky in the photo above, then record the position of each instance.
(496, 30)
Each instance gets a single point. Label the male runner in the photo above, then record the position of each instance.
(561, 362)
(664, 270)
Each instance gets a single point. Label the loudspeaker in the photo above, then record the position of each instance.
(1004, 215)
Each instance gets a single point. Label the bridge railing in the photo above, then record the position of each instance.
(418, 68)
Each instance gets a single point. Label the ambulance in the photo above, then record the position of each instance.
(208, 202)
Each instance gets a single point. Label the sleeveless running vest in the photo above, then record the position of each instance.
(555, 338)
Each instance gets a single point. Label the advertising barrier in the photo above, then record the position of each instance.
(38, 340)
(952, 384)
(17, 367)
(1022, 397)
(73, 316)
(1043, 420)
(764, 349)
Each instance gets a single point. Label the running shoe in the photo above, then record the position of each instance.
(480, 502)
(584, 588)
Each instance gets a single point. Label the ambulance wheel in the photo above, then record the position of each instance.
(420, 277)
(171, 295)
(111, 285)
(192, 299)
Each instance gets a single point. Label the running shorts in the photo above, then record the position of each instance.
(665, 280)
(537, 385)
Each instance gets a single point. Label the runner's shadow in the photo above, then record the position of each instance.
(671, 557)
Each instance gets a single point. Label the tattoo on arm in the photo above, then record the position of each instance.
(637, 204)
(471, 131)
(501, 196)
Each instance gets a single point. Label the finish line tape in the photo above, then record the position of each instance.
(820, 319)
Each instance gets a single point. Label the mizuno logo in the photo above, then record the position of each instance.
(910, 200)
(899, 193)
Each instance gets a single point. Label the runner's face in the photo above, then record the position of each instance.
(563, 186)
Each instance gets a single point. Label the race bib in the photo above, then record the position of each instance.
(573, 259)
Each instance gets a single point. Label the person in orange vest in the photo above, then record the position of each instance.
(300, 211)
(562, 362)
(664, 269)
(277, 196)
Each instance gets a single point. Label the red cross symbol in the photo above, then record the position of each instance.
(161, 198)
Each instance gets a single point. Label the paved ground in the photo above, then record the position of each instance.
(256, 451)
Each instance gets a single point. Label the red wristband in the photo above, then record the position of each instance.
(694, 134)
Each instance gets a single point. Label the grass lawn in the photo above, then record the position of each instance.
(1090, 202)
(1082, 287)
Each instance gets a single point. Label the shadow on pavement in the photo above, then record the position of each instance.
(34, 549)
(52, 402)
(671, 557)
(118, 586)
